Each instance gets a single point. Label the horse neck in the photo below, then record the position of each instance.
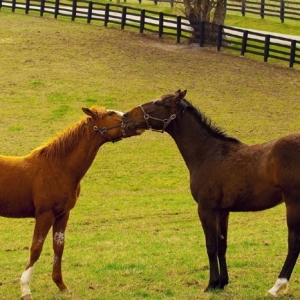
(75, 150)
(193, 140)
(84, 154)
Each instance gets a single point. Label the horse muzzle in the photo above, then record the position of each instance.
(132, 129)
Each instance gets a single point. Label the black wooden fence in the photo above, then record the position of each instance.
(281, 9)
(242, 41)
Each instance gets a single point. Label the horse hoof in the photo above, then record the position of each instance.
(271, 294)
(212, 288)
(26, 297)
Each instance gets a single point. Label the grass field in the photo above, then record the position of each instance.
(134, 233)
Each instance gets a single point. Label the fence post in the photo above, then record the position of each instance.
(74, 9)
(267, 48)
(262, 8)
(244, 42)
(219, 37)
(106, 17)
(293, 53)
(243, 8)
(178, 34)
(123, 21)
(282, 11)
(42, 8)
(201, 33)
(13, 6)
(142, 23)
(56, 9)
(161, 25)
(0, 4)
(90, 12)
(27, 7)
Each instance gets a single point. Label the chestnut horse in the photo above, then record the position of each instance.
(45, 184)
(227, 175)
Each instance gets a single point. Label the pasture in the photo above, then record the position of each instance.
(135, 233)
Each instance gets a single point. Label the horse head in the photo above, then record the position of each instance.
(109, 124)
(156, 114)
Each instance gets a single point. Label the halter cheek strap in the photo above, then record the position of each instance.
(104, 131)
(165, 122)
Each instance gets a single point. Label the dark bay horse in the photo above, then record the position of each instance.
(45, 184)
(227, 175)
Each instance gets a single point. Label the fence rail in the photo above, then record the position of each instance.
(281, 9)
(238, 40)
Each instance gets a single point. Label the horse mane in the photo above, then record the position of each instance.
(206, 122)
(66, 141)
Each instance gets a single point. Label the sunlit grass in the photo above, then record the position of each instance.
(134, 233)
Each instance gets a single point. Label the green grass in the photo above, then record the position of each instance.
(134, 233)
(270, 24)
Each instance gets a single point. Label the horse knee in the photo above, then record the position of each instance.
(212, 251)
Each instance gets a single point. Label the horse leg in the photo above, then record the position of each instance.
(222, 247)
(59, 228)
(293, 222)
(42, 225)
(209, 224)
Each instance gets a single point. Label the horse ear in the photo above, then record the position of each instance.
(179, 95)
(88, 112)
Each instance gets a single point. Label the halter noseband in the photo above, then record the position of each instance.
(104, 131)
(165, 122)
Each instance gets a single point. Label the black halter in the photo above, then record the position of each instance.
(104, 131)
(165, 122)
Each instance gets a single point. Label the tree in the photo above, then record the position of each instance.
(213, 11)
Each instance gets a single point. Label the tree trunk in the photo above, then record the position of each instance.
(220, 13)
(202, 10)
